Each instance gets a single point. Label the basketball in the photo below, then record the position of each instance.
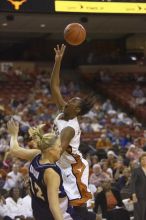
(74, 34)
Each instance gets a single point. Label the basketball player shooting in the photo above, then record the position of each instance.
(74, 167)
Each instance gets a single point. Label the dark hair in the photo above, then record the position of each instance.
(87, 103)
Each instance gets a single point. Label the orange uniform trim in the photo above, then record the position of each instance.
(78, 169)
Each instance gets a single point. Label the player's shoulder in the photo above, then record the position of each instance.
(74, 124)
(74, 121)
(51, 173)
(58, 115)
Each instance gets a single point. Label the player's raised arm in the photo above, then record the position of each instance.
(55, 79)
(15, 149)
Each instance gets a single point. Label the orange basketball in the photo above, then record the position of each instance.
(74, 34)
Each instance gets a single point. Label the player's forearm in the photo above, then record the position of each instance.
(56, 212)
(14, 146)
(55, 80)
(54, 200)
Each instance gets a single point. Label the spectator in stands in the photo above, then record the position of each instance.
(100, 114)
(95, 126)
(138, 142)
(126, 120)
(7, 161)
(142, 141)
(139, 95)
(125, 140)
(136, 124)
(63, 89)
(13, 206)
(114, 136)
(73, 88)
(124, 179)
(2, 110)
(106, 170)
(94, 159)
(3, 195)
(118, 169)
(111, 155)
(26, 200)
(103, 142)
(134, 152)
(138, 187)
(114, 119)
(111, 159)
(3, 144)
(92, 113)
(107, 106)
(85, 124)
(97, 176)
(133, 164)
(14, 178)
(132, 104)
(3, 175)
(108, 199)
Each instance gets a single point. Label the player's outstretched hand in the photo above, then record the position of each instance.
(13, 127)
(59, 51)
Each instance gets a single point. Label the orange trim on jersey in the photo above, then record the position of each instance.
(78, 169)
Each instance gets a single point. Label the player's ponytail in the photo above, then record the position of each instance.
(42, 140)
(87, 103)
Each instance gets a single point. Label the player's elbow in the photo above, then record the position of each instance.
(64, 146)
(54, 205)
(13, 151)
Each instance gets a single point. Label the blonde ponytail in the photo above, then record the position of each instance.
(43, 141)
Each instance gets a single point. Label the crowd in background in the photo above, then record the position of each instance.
(112, 154)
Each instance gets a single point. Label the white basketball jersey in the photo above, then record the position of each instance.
(60, 124)
(74, 168)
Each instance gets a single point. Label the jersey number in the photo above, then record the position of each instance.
(36, 190)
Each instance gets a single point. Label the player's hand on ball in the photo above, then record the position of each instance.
(59, 51)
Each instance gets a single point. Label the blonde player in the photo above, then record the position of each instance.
(44, 175)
